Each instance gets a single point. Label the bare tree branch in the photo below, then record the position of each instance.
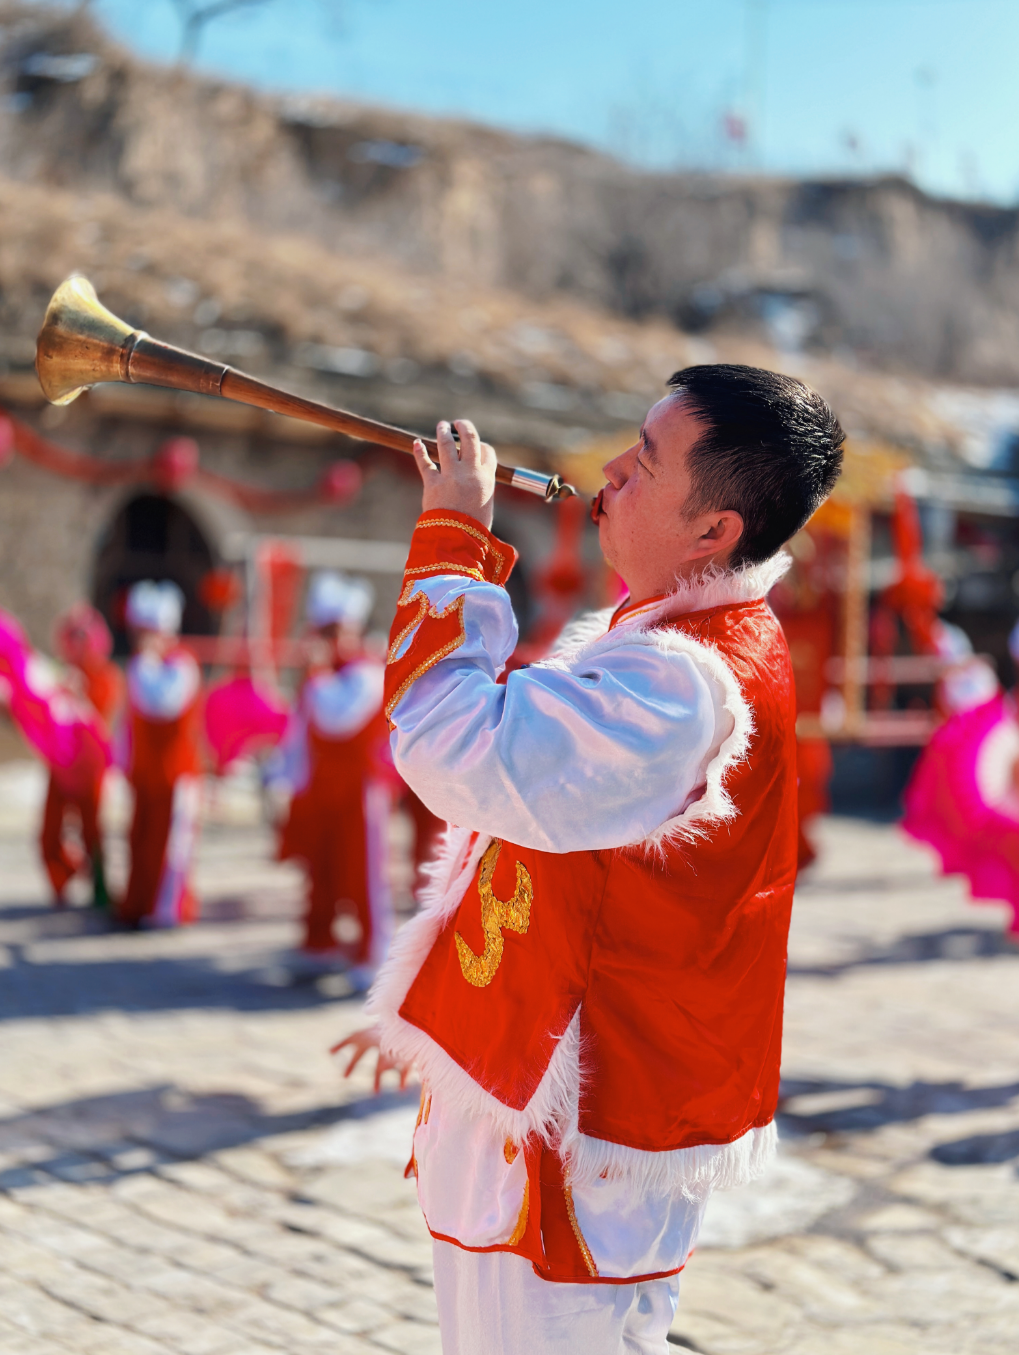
(194, 16)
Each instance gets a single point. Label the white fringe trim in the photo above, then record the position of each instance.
(712, 587)
(450, 875)
(582, 631)
(716, 587)
(552, 1112)
(693, 1172)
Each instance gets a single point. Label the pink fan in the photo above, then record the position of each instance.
(242, 715)
(963, 800)
(14, 646)
(63, 730)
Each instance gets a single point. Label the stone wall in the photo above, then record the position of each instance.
(52, 528)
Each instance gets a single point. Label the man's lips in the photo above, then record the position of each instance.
(598, 506)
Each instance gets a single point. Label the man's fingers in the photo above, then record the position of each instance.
(359, 1043)
(426, 466)
(470, 443)
(355, 1058)
(449, 452)
(385, 1064)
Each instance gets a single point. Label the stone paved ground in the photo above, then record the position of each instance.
(182, 1170)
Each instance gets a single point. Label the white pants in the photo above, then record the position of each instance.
(492, 1303)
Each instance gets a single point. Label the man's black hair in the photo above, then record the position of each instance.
(771, 451)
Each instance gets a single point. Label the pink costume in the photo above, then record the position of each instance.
(964, 802)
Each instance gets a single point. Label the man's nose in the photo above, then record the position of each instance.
(615, 472)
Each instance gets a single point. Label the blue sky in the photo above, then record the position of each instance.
(928, 87)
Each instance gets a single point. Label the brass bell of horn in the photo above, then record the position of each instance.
(81, 343)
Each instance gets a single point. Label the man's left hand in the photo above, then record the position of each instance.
(363, 1042)
(464, 479)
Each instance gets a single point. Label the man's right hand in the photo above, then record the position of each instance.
(464, 479)
(363, 1042)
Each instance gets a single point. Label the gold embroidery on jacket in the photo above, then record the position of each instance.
(483, 537)
(521, 1228)
(442, 567)
(514, 914)
(442, 652)
(585, 1250)
(509, 1151)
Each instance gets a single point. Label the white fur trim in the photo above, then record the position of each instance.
(582, 631)
(693, 1172)
(585, 639)
(558, 1089)
(552, 1112)
(714, 587)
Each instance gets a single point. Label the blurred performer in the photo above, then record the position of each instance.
(963, 796)
(969, 680)
(162, 759)
(84, 642)
(334, 758)
(593, 994)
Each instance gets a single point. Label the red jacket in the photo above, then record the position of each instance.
(666, 958)
(675, 958)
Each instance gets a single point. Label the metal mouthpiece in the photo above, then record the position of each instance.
(549, 487)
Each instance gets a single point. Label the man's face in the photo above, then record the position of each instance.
(644, 528)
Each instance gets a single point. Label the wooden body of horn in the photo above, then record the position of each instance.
(82, 343)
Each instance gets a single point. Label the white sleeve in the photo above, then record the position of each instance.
(340, 704)
(560, 761)
(162, 689)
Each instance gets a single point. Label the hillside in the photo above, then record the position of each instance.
(200, 211)
(873, 272)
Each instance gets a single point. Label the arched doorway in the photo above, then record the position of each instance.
(152, 537)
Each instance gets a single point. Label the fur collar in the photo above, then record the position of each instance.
(713, 587)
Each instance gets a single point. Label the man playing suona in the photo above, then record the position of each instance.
(593, 992)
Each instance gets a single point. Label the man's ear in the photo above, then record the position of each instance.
(721, 534)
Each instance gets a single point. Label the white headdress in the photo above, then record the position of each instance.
(155, 606)
(339, 599)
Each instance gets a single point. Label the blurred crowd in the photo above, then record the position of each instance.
(328, 780)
